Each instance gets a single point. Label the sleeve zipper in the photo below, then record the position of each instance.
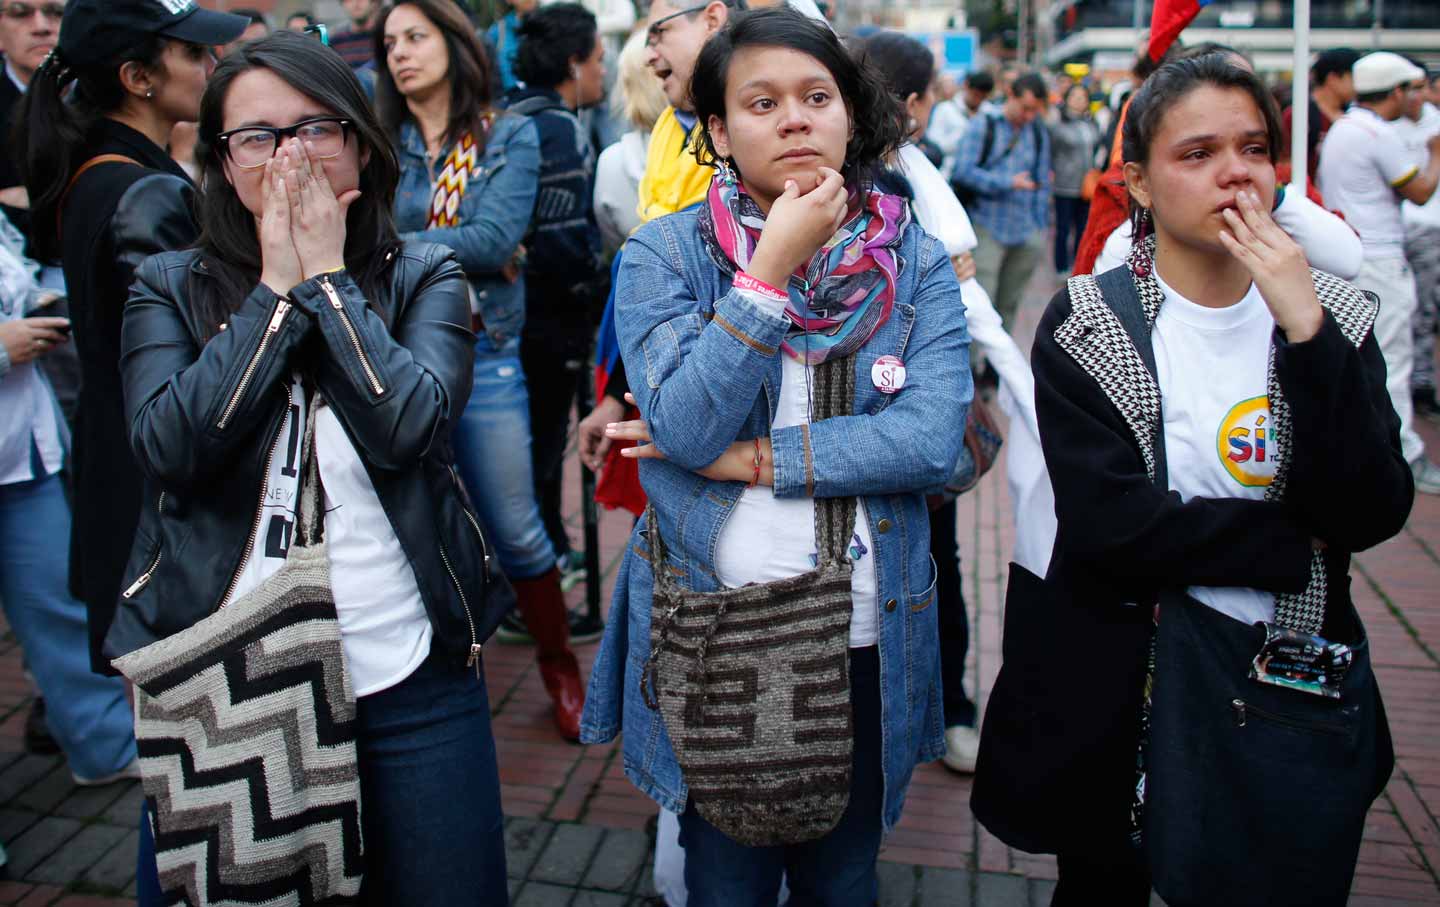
(282, 308)
(350, 331)
(143, 579)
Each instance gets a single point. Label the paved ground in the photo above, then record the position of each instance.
(579, 834)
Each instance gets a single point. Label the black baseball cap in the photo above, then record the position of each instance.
(94, 31)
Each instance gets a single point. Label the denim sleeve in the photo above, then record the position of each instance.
(967, 164)
(913, 443)
(495, 218)
(695, 379)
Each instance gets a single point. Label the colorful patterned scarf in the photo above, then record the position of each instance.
(460, 164)
(842, 297)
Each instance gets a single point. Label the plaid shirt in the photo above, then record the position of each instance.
(1010, 215)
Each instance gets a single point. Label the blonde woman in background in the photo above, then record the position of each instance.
(640, 100)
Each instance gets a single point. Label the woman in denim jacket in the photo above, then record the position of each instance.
(468, 178)
(721, 368)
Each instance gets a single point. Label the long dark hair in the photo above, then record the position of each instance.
(229, 246)
(1170, 84)
(52, 135)
(877, 117)
(471, 89)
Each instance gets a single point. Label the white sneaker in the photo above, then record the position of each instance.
(1427, 476)
(962, 745)
(131, 772)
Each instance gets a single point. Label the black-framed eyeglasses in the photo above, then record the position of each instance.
(249, 147)
(52, 11)
(321, 33)
(653, 33)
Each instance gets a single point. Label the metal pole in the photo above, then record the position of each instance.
(1136, 18)
(1300, 100)
(1020, 34)
(1375, 26)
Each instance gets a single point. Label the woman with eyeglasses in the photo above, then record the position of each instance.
(469, 178)
(301, 306)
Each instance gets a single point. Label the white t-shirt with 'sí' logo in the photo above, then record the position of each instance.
(1219, 443)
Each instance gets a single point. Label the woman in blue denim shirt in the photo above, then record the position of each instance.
(468, 178)
(722, 362)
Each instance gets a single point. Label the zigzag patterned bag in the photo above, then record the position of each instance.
(246, 729)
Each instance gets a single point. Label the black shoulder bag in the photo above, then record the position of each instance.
(1259, 773)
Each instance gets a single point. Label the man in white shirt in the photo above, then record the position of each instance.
(1420, 123)
(949, 117)
(1365, 173)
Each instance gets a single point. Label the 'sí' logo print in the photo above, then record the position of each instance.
(1245, 443)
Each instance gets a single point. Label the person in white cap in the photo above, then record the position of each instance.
(1419, 124)
(1365, 173)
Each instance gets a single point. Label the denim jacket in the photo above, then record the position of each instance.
(705, 369)
(494, 214)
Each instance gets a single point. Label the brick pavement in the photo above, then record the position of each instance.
(579, 833)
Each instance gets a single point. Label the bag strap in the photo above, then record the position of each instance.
(95, 161)
(310, 509)
(1117, 289)
(834, 517)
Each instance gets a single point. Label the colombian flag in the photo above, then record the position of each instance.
(1167, 21)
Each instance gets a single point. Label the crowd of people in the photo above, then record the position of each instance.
(294, 326)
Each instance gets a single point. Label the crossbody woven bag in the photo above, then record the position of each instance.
(753, 683)
(246, 729)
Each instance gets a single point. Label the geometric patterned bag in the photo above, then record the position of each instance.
(753, 684)
(245, 723)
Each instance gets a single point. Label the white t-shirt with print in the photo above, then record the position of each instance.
(1212, 366)
(768, 538)
(384, 630)
(1362, 160)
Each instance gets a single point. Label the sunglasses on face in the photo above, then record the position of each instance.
(250, 147)
(655, 31)
(18, 11)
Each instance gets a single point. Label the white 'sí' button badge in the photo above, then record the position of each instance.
(888, 374)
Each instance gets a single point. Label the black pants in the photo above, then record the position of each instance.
(954, 624)
(1112, 873)
(553, 363)
(1071, 215)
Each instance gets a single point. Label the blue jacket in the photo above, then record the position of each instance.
(704, 365)
(494, 214)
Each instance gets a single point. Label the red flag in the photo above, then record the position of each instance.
(1167, 21)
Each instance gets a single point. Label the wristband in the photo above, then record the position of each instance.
(755, 479)
(744, 281)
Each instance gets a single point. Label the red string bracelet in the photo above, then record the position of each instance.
(755, 479)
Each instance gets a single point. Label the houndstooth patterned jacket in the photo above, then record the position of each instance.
(1093, 336)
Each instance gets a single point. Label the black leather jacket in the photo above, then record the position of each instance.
(204, 418)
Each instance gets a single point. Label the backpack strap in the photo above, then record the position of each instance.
(95, 161)
(988, 143)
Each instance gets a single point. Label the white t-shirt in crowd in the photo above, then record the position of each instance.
(384, 629)
(1414, 135)
(1362, 160)
(768, 538)
(1212, 366)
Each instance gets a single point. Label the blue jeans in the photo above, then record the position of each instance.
(492, 449)
(87, 713)
(430, 792)
(837, 870)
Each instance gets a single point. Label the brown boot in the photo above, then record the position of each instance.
(542, 605)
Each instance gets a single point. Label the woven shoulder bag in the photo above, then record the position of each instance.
(753, 683)
(246, 729)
